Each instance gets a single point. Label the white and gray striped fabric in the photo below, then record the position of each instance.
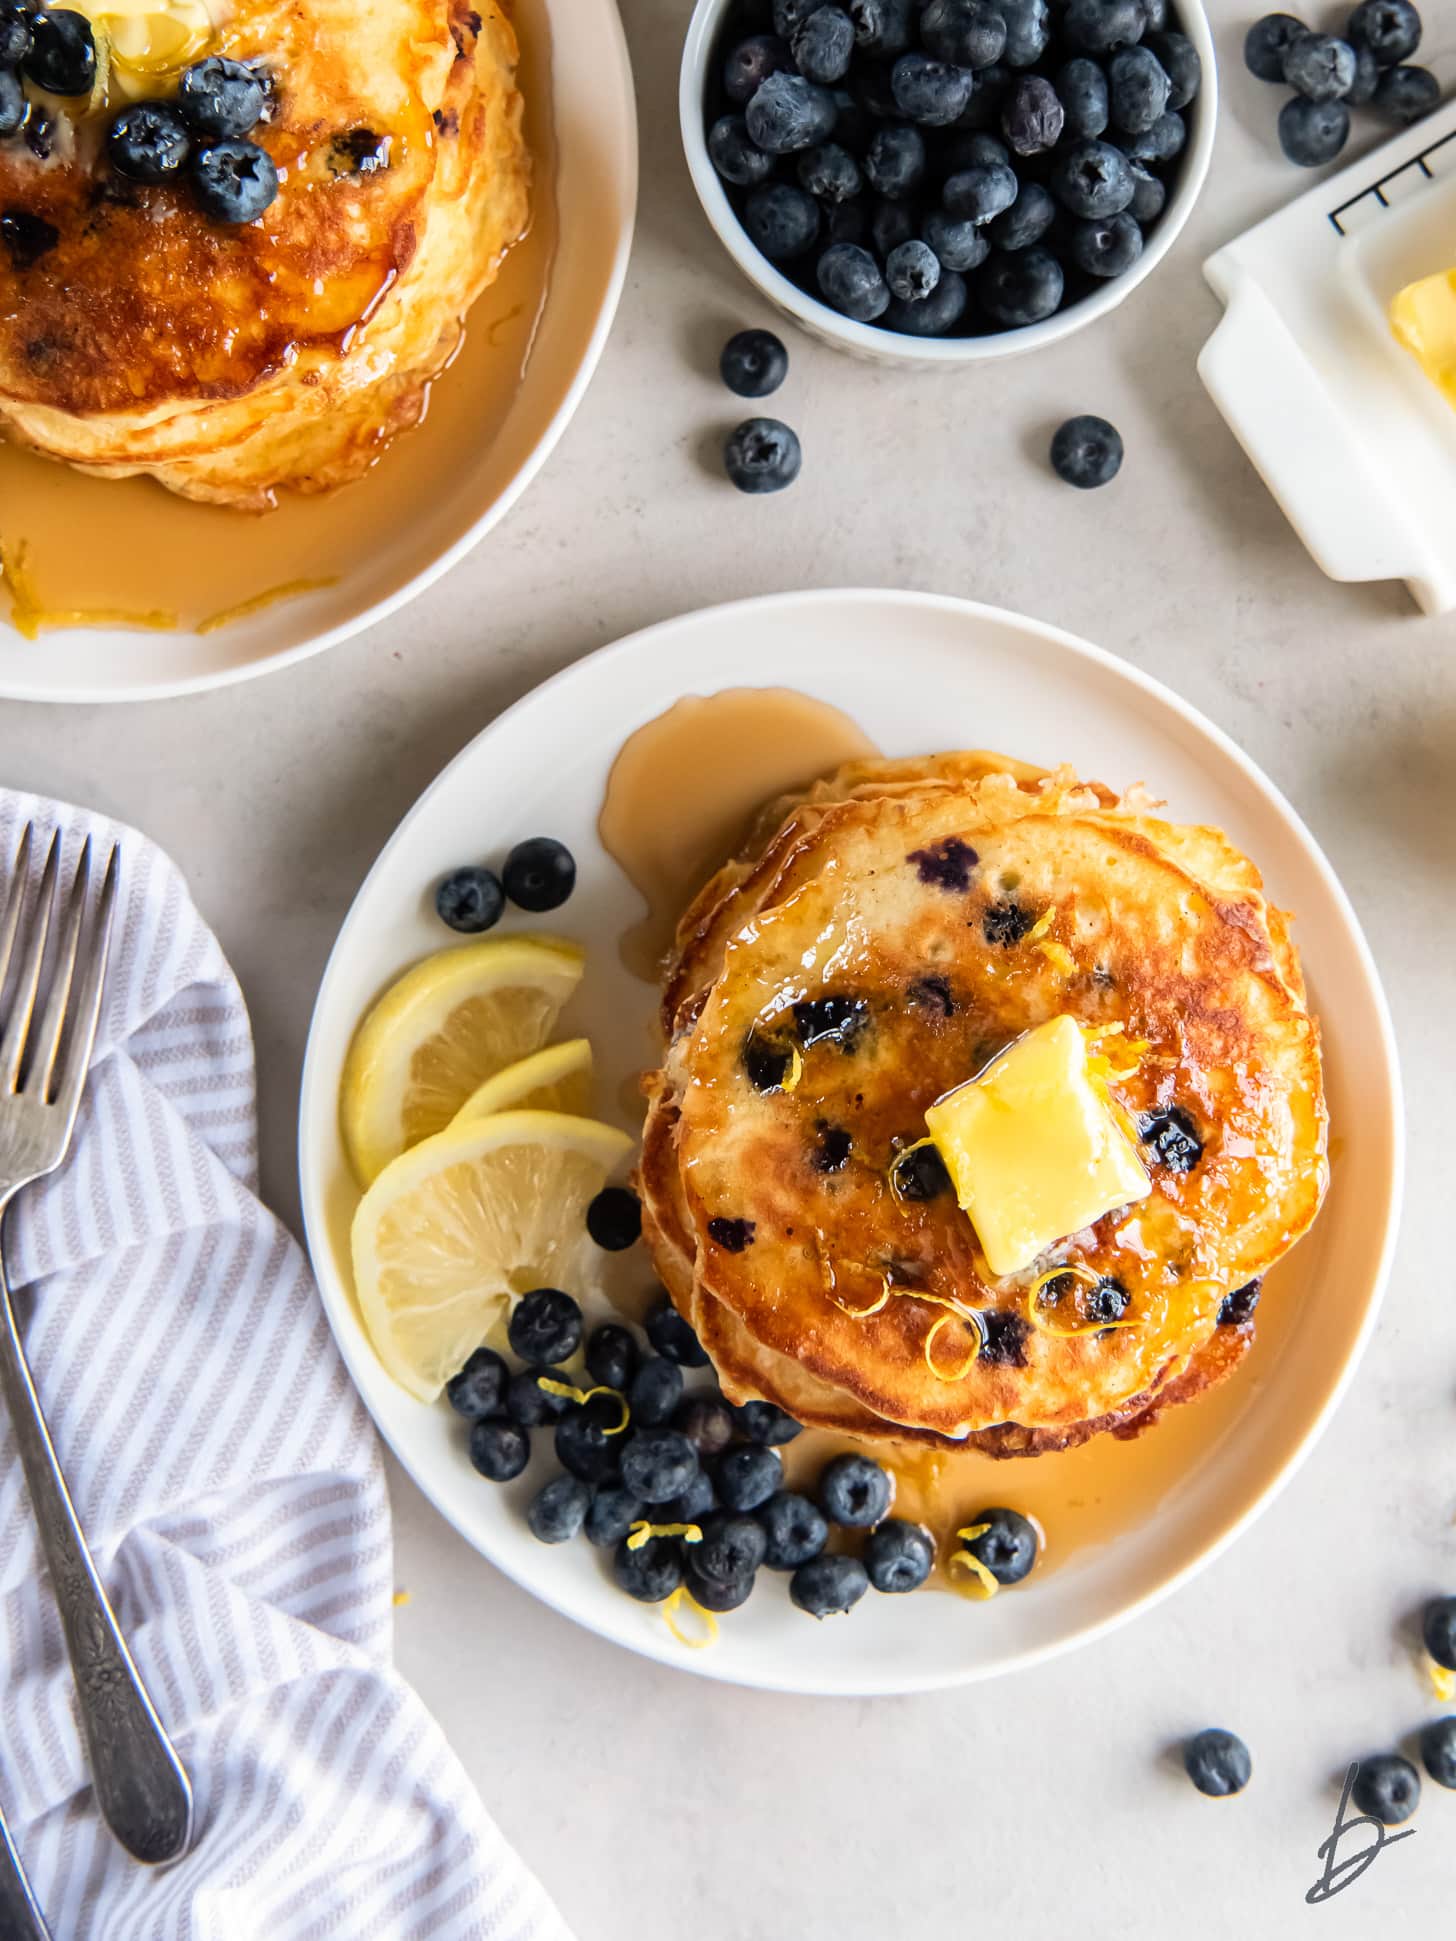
(232, 1489)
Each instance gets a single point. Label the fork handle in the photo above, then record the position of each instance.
(20, 1915)
(140, 1786)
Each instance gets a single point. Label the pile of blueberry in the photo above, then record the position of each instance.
(539, 875)
(957, 167)
(53, 50)
(1366, 67)
(683, 1489)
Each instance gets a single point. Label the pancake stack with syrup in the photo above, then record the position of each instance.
(884, 943)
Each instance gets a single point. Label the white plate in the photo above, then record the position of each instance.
(595, 181)
(917, 673)
(1353, 440)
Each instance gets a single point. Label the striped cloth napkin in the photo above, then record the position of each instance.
(232, 1489)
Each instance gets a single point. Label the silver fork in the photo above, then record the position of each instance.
(47, 1030)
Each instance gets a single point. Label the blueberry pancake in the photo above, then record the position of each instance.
(234, 312)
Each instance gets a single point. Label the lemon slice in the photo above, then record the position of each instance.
(434, 1037)
(557, 1079)
(455, 1228)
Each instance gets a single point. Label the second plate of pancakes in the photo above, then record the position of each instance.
(1152, 1511)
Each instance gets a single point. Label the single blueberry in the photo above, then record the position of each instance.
(763, 1423)
(697, 1501)
(1086, 451)
(790, 113)
(1438, 1751)
(761, 455)
(1028, 219)
(529, 1405)
(15, 34)
(1387, 1787)
(498, 1449)
(894, 163)
(149, 142)
(1217, 1762)
(558, 1511)
(732, 1548)
(1107, 246)
(834, 1019)
(222, 99)
(470, 899)
(1082, 88)
(1238, 1306)
(899, 1556)
(850, 279)
(1097, 26)
(1361, 90)
(1438, 1628)
(613, 1512)
(13, 104)
(589, 1442)
(781, 220)
(1172, 1137)
(766, 1061)
(234, 181)
(656, 1391)
(959, 244)
(540, 874)
(790, 15)
(796, 1530)
(1405, 94)
(823, 46)
(1320, 67)
(968, 33)
(1007, 1546)
(480, 1386)
(545, 1325)
(835, 1143)
(747, 1476)
(1391, 29)
(62, 53)
(828, 1586)
(1266, 42)
(891, 223)
(1021, 288)
(912, 271)
(932, 93)
(1158, 144)
(672, 1336)
(612, 1355)
(1179, 60)
(749, 64)
(1107, 1301)
(1003, 1337)
(1028, 30)
(1092, 179)
(1032, 115)
(1137, 89)
(978, 194)
(832, 174)
(614, 1219)
(706, 1421)
(735, 155)
(854, 1491)
(658, 1464)
(1148, 196)
(882, 27)
(712, 1595)
(651, 1572)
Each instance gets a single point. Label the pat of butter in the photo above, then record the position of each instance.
(1033, 1148)
(1423, 317)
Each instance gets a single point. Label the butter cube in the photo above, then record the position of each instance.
(1033, 1148)
(1423, 317)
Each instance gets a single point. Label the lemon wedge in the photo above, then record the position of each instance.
(558, 1079)
(457, 1227)
(447, 1026)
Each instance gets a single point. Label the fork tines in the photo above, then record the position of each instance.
(47, 1014)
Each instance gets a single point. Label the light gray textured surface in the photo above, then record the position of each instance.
(658, 1807)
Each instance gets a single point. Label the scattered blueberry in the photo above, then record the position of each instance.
(223, 100)
(651, 1572)
(1008, 1545)
(672, 1336)
(1438, 1627)
(62, 54)
(781, 220)
(762, 454)
(1108, 246)
(1092, 179)
(965, 32)
(529, 1405)
(540, 874)
(709, 1592)
(588, 1442)
(789, 113)
(558, 1511)
(854, 1491)
(658, 1464)
(1137, 89)
(1100, 25)
(545, 1325)
(850, 278)
(480, 1386)
(470, 899)
(1405, 94)
(749, 64)
(1267, 42)
(734, 155)
(234, 181)
(764, 1424)
(149, 142)
(1390, 29)
(732, 1548)
(612, 1355)
(1082, 89)
(1438, 1751)
(827, 1586)
(747, 1476)
(832, 174)
(498, 1449)
(977, 194)
(895, 160)
(706, 1421)
(899, 1556)
(1319, 67)
(796, 1529)
(1387, 1787)
(614, 1219)
(960, 245)
(912, 271)
(1238, 1306)
(1032, 115)
(1179, 60)
(613, 1512)
(823, 45)
(1022, 288)
(1217, 1762)
(655, 1392)
(1172, 1138)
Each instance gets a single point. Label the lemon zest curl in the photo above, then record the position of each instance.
(551, 1386)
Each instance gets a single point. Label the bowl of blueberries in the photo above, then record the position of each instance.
(946, 181)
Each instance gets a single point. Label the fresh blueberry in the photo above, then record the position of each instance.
(15, 34)
(899, 1556)
(960, 245)
(894, 163)
(1108, 246)
(558, 1511)
(1097, 26)
(823, 46)
(1405, 94)
(1021, 288)
(1319, 67)
(978, 194)
(697, 1501)
(650, 1573)
(656, 1391)
(891, 223)
(854, 1491)
(733, 1547)
(62, 54)
(1158, 144)
(1217, 1762)
(750, 63)
(1148, 196)
(1238, 1306)
(614, 1219)
(545, 1325)
(612, 1356)
(781, 221)
(881, 26)
(1082, 89)
(672, 1336)
(1387, 1787)
(222, 99)
(797, 1530)
(735, 155)
(1179, 60)
(613, 1512)
(529, 1405)
(790, 113)
(706, 1421)
(480, 1387)
(790, 15)
(1438, 1628)
(470, 899)
(1266, 42)
(1028, 219)
(912, 271)
(832, 174)
(1028, 30)
(747, 1476)
(930, 92)
(931, 316)
(540, 874)
(827, 1586)
(1007, 1546)
(1313, 132)
(1137, 89)
(764, 1424)
(850, 279)
(1438, 1751)
(234, 181)
(13, 104)
(1032, 115)
(712, 1595)
(1391, 29)
(498, 1449)
(1092, 179)
(1172, 1138)
(965, 32)
(658, 1464)
(1361, 90)
(149, 142)
(588, 1441)
(762, 455)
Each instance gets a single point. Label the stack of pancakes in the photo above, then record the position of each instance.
(139, 335)
(876, 942)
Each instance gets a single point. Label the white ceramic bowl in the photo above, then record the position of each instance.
(888, 346)
(962, 675)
